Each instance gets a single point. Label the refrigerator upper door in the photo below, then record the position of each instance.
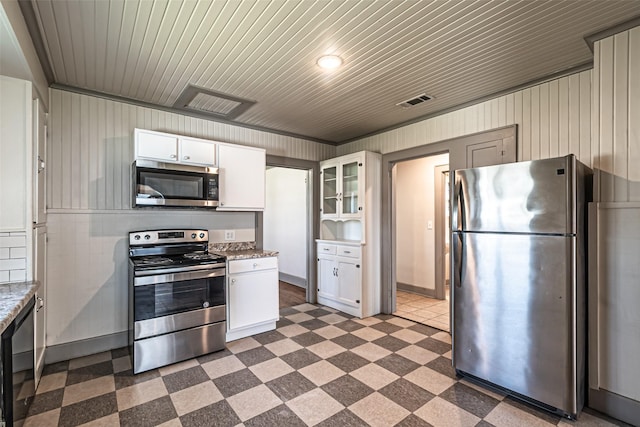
(524, 197)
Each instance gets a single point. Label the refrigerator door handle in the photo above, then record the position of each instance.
(457, 208)
(458, 259)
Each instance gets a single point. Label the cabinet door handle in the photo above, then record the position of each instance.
(336, 272)
(347, 252)
(40, 164)
(172, 156)
(186, 158)
(233, 280)
(255, 265)
(40, 304)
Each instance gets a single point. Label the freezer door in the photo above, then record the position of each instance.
(524, 197)
(513, 299)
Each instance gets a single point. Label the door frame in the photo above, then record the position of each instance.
(313, 216)
(439, 224)
(457, 149)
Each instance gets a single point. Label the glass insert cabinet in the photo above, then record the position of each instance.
(342, 187)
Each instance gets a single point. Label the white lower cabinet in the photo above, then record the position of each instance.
(252, 296)
(340, 278)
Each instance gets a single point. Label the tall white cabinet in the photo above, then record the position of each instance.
(348, 248)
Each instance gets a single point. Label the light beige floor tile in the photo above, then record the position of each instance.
(367, 321)
(27, 389)
(271, 369)
(378, 411)
(307, 307)
(326, 349)
(108, 421)
(173, 423)
(504, 415)
(121, 364)
(403, 323)
(45, 419)
(426, 314)
(440, 308)
(332, 318)
(81, 362)
(439, 412)
(430, 380)
(143, 392)
(219, 367)
(447, 355)
(314, 406)
(330, 332)
(374, 376)
(368, 334)
(253, 402)
(300, 317)
(283, 347)
(244, 344)
(371, 352)
(292, 330)
(52, 382)
(177, 367)
(442, 336)
(419, 355)
(406, 308)
(408, 335)
(321, 372)
(195, 397)
(438, 325)
(88, 389)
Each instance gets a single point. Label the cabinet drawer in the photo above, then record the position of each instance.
(349, 251)
(253, 264)
(324, 248)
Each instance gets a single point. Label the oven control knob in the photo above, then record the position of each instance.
(205, 304)
(193, 236)
(202, 235)
(137, 237)
(147, 237)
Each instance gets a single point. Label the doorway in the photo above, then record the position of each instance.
(287, 225)
(419, 208)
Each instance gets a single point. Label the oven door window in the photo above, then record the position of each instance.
(156, 184)
(164, 299)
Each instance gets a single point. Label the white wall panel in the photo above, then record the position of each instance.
(553, 118)
(91, 147)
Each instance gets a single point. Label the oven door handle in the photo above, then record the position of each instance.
(178, 277)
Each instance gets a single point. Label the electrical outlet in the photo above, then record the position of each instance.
(229, 234)
(429, 225)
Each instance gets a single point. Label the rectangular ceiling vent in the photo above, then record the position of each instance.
(415, 101)
(210, 103)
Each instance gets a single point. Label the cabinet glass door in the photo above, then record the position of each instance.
(350, 188)
(330, 190)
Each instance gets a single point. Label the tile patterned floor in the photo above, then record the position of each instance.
(429, 311)
(320, 367)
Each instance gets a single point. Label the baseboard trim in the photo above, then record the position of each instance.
(431, 293)
(614, 405)
(71, 350)
(294, 280)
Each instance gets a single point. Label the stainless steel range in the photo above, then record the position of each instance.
(176, 297)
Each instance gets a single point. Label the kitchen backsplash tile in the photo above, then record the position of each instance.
(13, 256)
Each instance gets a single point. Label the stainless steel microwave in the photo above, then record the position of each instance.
(170, 184)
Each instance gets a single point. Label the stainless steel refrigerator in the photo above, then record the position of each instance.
(518, 270)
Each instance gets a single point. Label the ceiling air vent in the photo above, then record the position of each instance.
(210, 103)
(415, 101)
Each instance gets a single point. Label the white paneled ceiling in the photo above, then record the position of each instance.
(455, 51)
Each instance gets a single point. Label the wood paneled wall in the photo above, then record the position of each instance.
(553, 118)
(91, 147)
(616, 124)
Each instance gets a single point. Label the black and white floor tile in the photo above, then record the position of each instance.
(320, 367)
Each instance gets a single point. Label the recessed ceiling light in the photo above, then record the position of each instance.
(329, 62)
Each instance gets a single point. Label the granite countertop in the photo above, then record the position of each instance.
(240, 250)
(232, 255)
(13, 298)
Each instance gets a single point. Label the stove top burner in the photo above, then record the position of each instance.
(154, 260)
(201, 256)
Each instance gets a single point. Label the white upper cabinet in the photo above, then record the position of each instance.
(342, 187)
(171, 148)
(241, 177)
(197, 152)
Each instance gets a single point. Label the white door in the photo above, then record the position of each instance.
(39, 153)
(349, 283)
(253, 298)
(197, 152)
(242, 177)
(156, 146)
(40, 256)
(327, 277)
